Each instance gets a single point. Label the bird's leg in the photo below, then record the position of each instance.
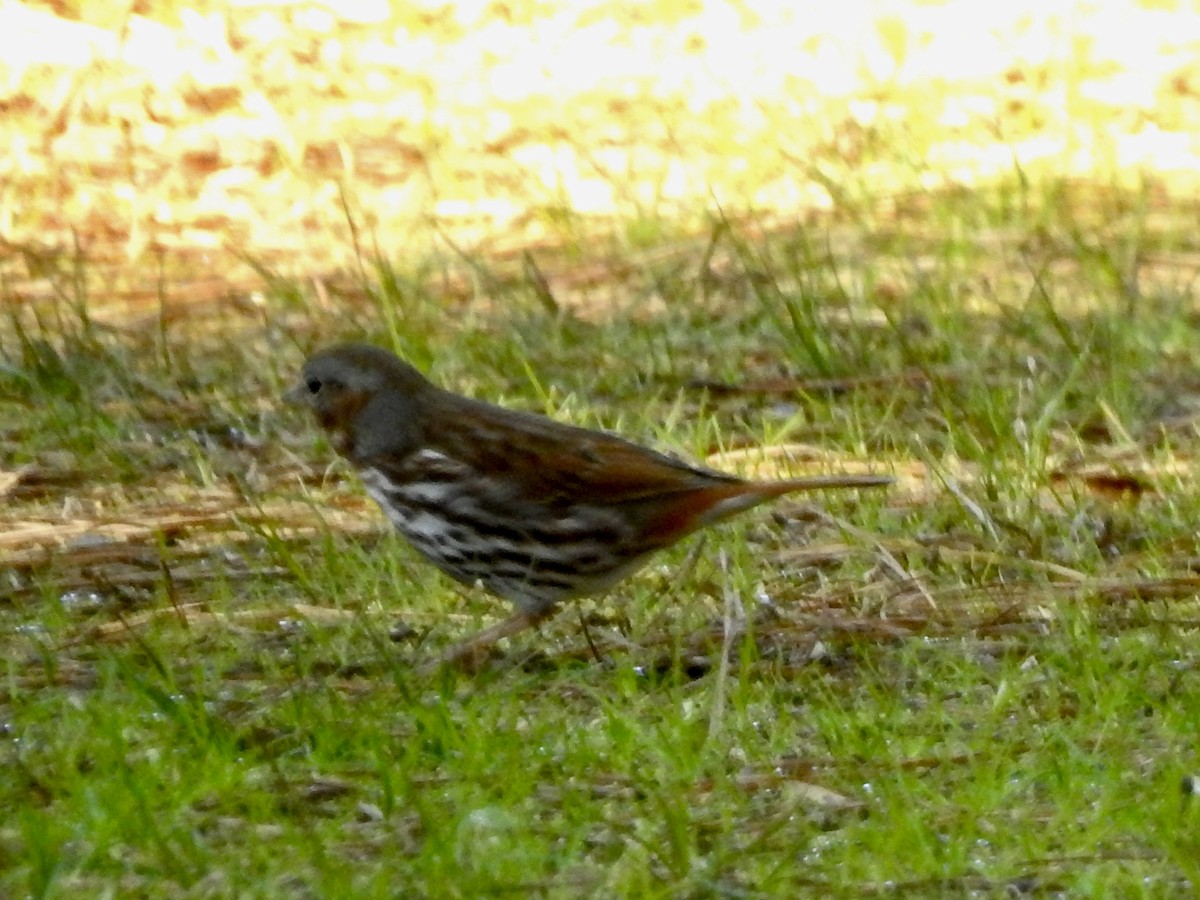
(587, 636)
(469, 654)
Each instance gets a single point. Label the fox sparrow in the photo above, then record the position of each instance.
(533, 510)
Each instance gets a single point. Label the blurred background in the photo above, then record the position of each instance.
(182, 149)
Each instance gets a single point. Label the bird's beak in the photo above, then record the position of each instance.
(297, 395)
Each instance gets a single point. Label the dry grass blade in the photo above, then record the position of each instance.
(10, 480)
(197, 616)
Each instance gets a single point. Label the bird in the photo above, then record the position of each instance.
(533, 510)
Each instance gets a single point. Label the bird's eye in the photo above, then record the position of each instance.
(313, 385)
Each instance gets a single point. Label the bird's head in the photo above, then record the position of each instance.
(365, 397)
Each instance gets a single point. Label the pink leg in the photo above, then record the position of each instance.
(469, 654)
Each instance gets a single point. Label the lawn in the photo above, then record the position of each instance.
(979, 681)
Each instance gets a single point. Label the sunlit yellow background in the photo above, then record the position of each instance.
(169, 144)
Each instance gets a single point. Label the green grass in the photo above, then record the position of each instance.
(1005, 698)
